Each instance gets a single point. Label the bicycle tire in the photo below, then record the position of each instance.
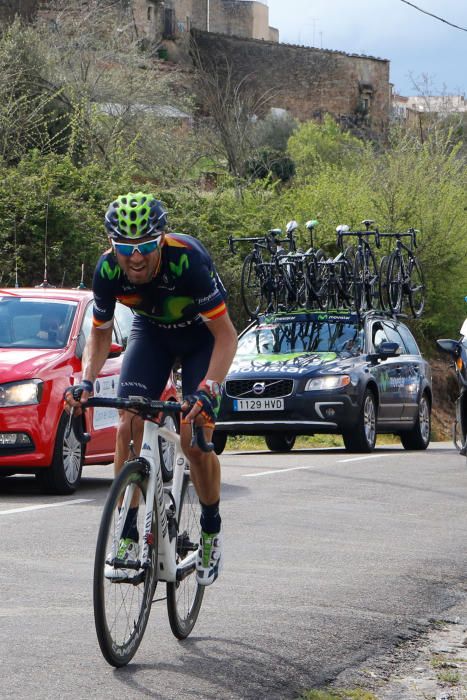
(395, 283)
(345, 287)
(416, 288)
(314, 278)
(184, 597)
(122, 607)
(359, 282)
(383, 283)
(251, 287)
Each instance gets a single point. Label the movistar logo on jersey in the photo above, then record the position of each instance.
(110, 272)
(183, 264)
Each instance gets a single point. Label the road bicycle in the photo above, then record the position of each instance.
(401, 276)
(164, 517)
(457, 349)
(262, 286)
(365, 273)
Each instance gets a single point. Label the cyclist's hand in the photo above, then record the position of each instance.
(76, 395)
(202, 407)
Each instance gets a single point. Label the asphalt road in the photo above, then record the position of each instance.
(331, 558)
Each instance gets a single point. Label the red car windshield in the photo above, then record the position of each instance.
(35, 323)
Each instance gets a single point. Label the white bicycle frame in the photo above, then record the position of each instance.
(157, 492)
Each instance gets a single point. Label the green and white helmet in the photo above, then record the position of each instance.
(135, 215)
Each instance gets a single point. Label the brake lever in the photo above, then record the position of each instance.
(75, 424)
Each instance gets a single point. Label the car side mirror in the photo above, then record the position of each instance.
(449, 346)
(80, 343)
(115, 350)
(387, 349)
(383, 351)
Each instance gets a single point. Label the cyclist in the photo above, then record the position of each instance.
(170, 282)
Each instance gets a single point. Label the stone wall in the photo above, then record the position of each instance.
(307, 81)
(10, 8)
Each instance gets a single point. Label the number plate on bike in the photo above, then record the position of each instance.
(258, 404)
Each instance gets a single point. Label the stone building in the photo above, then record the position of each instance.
(308, 82)
(157, 19)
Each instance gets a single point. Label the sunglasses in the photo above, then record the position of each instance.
(127, 249)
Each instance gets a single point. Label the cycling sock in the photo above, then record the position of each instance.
(130, 528)
(210, 518)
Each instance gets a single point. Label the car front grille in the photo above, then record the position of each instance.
(273, 388)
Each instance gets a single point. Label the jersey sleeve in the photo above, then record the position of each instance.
(208, 291)
(103, 286)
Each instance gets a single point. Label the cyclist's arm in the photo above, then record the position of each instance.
(96, 352)
(225, 346)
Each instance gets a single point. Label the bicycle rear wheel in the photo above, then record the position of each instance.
(383, 283)
(416, 288)
(184, 597)
(251, 287)
(395, 283)
(123, 596)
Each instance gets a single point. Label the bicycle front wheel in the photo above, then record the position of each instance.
(416, 288)
(251, 287)
(395, 283)
(184, 597)
(123, 596)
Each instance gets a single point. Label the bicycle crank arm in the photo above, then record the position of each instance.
(187, 567)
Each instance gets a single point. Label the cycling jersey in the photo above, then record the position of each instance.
(186, 290)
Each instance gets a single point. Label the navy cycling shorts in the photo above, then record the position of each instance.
(152, 352)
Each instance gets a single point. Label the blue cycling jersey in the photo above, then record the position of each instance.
(186, 290)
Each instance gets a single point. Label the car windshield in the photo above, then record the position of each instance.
(35, 323)
(311, 335)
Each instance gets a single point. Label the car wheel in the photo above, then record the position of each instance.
(64, 474)
(280, 443)
(167, 449)
(362, 437)
(219, 439)
(418, 438)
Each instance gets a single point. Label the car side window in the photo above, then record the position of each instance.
(124, 317)
(393, 336)
(409, 341)
(378, 335)
(87, 325)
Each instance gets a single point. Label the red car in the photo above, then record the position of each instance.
(42, 336)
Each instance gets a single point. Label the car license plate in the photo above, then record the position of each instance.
(258, 404)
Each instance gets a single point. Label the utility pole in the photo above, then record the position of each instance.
(208, 18)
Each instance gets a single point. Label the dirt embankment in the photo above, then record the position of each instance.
(444, 396)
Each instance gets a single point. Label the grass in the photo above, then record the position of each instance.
(247, 443)
(343, 694)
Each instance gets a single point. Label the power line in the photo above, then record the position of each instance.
(435, 16)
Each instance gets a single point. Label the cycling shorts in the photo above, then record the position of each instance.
(152, 352)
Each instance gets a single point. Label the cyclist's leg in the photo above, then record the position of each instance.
(146, 366)
(204, 466)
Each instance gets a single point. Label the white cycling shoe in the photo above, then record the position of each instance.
(209, 560)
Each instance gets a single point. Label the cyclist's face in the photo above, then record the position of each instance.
(139, 268)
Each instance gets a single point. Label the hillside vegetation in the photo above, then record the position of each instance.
(79, 125)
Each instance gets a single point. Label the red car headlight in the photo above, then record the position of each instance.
(23, 393)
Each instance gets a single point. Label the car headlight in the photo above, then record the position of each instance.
(327, 383)
(20, 393)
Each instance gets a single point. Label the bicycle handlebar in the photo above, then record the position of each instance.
(360, 234)
(146, 408)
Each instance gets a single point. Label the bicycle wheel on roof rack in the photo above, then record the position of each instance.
(395, 283)
(252, 287)
(416, 288)
(346, 285)
(383, 284)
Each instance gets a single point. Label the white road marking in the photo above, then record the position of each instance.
(351, 459)
(279, 471)
(46, 505)
(378, 456)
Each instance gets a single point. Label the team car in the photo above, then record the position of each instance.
(303, 373)
(43, 332)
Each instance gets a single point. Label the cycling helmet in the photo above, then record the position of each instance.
(135, 215)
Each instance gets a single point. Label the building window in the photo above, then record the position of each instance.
(149, 12)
